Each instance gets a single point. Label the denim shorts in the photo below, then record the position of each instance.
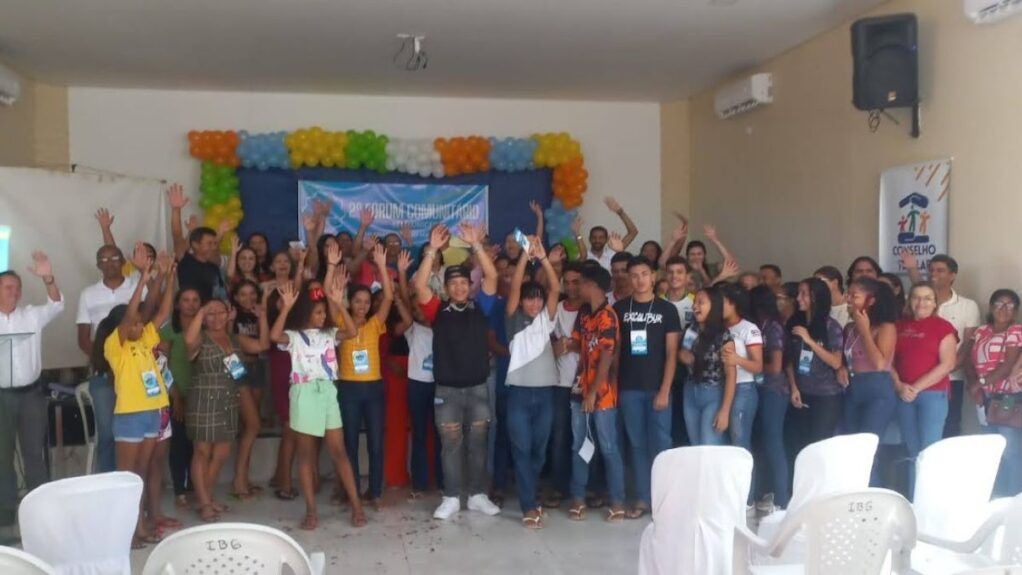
(136, 427)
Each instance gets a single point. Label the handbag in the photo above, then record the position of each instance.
(1005, 410)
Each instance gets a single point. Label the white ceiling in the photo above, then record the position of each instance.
(578, 49)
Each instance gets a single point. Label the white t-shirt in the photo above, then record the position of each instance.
(746, 335)
(567, 364)
(963, 313)
(97, 300)
(604, 258)
(313, 354)
(420, 352)
(685, 306)
(840, 314)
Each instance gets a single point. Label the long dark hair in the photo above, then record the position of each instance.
(900, 295)
(175, 316)
(105, 328)
(655, 262)
(872, 263)
(300, 314)
(816, 320)
(321, 252)
(264, 265)
(884, 308)
(711, 331)
(738, 297)
(705, 267)
(763, 306)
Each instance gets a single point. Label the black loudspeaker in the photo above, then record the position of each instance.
(885, 68)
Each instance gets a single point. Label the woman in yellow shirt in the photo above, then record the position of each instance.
(129, 342)
(360, 387)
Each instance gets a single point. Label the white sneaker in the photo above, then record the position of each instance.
(448, 506)
(481, 502)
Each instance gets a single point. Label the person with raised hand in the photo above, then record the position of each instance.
(197, 255)
(243, 264)
(461, 366)
(311, 340)
(213, 396)
(598, 238)
(532, 375)
(22, 405)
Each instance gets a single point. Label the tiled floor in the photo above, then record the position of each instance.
(402, 538)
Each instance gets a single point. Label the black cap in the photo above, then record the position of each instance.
(456, 272)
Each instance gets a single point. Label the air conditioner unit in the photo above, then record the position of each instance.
(744, 95)
(10, 87)
(990, 11)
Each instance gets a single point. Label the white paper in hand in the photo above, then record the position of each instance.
(587, 450)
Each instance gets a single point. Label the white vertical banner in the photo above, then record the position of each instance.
(914, 212)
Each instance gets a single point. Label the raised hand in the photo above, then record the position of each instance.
(536, 208)
(309, 222)
(469, 233)
(370, 242)
(192, 222)
(140, 258)
(176, 196)
(321, 209)
(576, 225)
(379, 255)
(681, 230)
(536, 249)
(612, 204)
(908, 260)
(165, 264)
(406, 234)
(439, 236)
(404, 261)
(615, 242)
(333, 254)
(104, 218)
(222, 229)
(710, 232)
(41, 265)
(235, 245)
(729, 270)
(288, 295)
(335, 291)
(366, 218)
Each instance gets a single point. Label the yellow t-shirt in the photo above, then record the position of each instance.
(360, 355)
(137, 379)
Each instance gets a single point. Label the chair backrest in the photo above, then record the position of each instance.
(1011, 545)
(835, 465)
(853, 533)
(954, 479)
(699, 496)
(228, 548)
(16, 562)
(83, 525)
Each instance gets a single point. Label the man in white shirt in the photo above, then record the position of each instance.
(94, 305)
(677, 271)
(22, 400)
(598, 250)
(961, 312)
(567, 366)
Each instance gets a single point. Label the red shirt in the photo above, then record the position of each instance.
(918, 349)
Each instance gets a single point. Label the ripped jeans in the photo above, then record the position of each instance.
(460, 411)
(743, 414)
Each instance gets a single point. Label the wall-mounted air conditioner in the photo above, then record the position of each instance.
(990, 11)
(10, 88)
(744, 95)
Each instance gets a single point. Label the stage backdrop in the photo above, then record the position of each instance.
(420, 205)
(914, 212)
(270, 198)
(54, 212)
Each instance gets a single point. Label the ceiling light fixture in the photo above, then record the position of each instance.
(411, 56)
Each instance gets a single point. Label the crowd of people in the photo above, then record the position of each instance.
(569, 375)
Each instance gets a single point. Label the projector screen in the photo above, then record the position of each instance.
(54, 212)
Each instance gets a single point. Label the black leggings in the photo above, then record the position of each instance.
(180, 457)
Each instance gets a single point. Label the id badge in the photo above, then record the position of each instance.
(168, 376)
(587, 450)
(427, 363)
(234, 366)
(805, 361)
(639, 346)
(360, 359)
(689, 340)
(151, 383)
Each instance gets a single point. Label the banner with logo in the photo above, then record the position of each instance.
(914, 212)
(420, 205)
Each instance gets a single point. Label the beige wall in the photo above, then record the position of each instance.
(34, 131)
(795, 182)
(675, 164)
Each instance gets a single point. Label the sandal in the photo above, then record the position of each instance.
(143, 541)
(286, 494)
(595, 502)
(534, 522)
(208, 513)
(242, 496)
(163, 522)
(553, 501)
(577, 511)
(220, 507)
(637, 512)
(615, 515)
(309, 523)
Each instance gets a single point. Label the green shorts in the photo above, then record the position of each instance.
(314, 407)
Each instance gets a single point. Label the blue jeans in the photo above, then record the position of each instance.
(501, 445)
(870, 403)
(1009, 477)
(773, 406)
(363, 402)
(648, 431)
(103, 400)
(560, 441)
(602, 424)
(922, 424)
(743, 414)
(702, 402)
(420, 410)
(530, 415)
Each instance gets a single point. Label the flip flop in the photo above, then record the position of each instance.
(286, 494)
(637, 512)
(532, 522)
(577, 512)
(615, 516)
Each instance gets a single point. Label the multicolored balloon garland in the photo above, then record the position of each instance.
(222, 152)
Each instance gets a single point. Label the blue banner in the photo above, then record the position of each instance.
(421, 205)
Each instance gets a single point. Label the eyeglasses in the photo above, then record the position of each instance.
(107, 260)
(1006, 305)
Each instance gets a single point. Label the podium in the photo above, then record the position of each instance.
(7, 341)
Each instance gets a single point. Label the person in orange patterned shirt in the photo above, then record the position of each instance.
(594, 397)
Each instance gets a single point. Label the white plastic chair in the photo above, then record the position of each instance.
(699, 496)
(959, 556)
(836, 465)
(231, 548)
(83, 525)
(16, 562)
(83, 398)
(954, 479)
(858, 533)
